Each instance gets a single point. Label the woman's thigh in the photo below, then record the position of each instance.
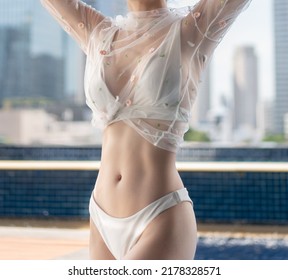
(171, 235)
(97, 247)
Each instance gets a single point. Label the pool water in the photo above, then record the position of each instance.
(253, 248)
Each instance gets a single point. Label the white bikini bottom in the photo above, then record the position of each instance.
(121, 234)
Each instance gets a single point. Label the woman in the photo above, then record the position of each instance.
(141, 80)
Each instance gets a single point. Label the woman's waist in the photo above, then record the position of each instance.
(124, 193)
(133, 172)
(130, 168)
(125, 148)
(136, 172)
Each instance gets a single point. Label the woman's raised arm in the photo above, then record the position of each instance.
(209, 20)
(76, 17)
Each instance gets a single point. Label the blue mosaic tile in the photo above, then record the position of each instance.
(205, 153)
(224, 197)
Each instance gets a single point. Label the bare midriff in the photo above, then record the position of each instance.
(133, 172)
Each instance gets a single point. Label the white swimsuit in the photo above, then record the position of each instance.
(121, 234)
(144, 69)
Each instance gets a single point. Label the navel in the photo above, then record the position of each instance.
(119, 178)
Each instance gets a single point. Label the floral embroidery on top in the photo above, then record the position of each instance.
(128, 103)
(192, 45)
(81, 25)
(132, 79)
(223, 23)
(197, 14)
(103, 52)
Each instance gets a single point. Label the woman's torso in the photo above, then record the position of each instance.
(133, 172)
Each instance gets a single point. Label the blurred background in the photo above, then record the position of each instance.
(243, 98)
(49, 152)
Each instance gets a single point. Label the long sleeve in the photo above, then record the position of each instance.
(211, 19)
(202, 29)
(76, 17)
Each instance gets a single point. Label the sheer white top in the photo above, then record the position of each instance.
(144, 68)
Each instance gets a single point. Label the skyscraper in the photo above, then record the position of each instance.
(23, 59)
(245, 89)
(14, 48)
(281, 63)
(15, 62)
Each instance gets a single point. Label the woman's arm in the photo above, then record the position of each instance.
(209, 21)
(76, 17)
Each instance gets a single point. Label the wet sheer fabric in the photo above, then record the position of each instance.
(144, 68)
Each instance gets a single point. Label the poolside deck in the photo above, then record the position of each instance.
(66, 240)
(39, 240)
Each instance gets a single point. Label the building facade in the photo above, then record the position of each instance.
(245, 92)
(31, 67)
(37, 127)
(281, 63)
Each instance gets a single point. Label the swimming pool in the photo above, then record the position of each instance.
(245, 248)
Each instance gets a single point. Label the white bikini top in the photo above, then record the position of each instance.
(144, 68)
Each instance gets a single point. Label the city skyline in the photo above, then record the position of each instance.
(253, 28)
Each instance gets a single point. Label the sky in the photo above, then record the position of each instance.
(254, 27)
